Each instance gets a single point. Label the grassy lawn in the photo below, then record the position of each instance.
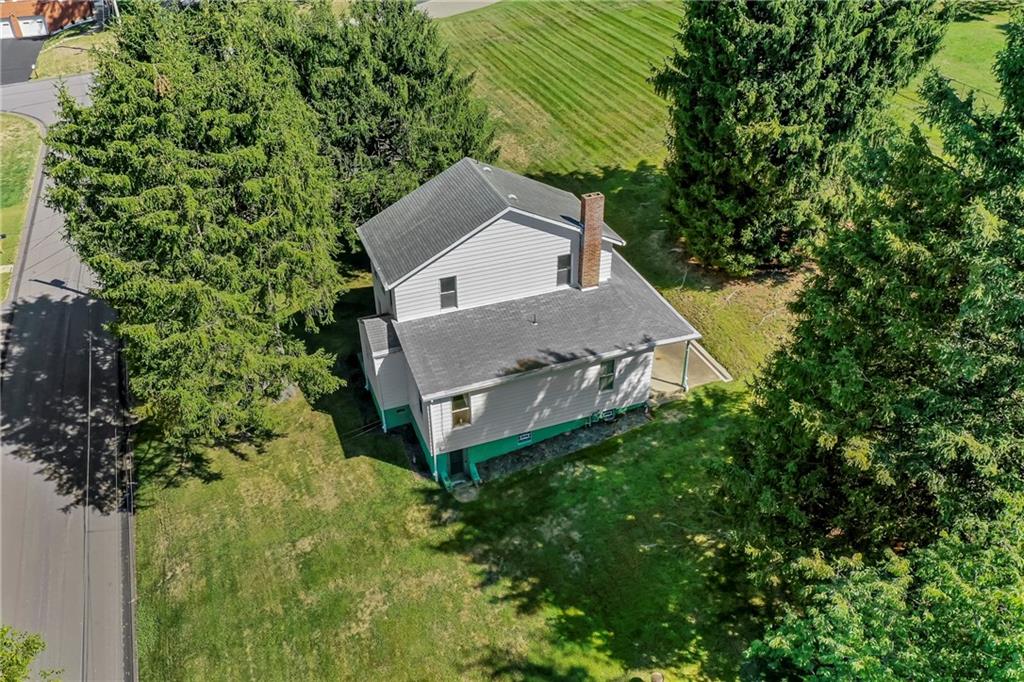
(19, 152)
(70, 53)
(322, 556)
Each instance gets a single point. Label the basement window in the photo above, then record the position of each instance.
(564, 268)
(460, 410)
(606, 382)
(449, 297)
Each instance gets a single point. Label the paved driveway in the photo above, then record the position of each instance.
(64, 569)
(17, 57)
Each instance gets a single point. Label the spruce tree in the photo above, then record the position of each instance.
(897, 409)
(193, 187)
(395, 107)
(765, 98)
(950, 611)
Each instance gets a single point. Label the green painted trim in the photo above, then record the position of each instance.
(398, 416)
(482, 452)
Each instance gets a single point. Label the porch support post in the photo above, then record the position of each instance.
(686, 366)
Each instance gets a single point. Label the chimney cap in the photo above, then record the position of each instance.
(592, 195)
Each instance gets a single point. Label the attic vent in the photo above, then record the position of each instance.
(487, 169)
(512, 197)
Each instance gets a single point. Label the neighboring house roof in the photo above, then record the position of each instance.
(452, 205)
(380, 334)
(469, 349)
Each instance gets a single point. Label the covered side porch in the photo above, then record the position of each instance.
(680, 366)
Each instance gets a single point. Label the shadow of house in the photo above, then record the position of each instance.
(621, 544)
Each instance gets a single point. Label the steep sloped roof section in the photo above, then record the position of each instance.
(452, 205)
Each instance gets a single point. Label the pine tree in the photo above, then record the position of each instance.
(193, 187)
(950, 611)
(765, 99)
(898, 407)
(395, 108)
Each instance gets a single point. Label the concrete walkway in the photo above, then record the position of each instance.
(65, 549)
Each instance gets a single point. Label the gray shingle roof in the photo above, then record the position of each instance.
(453, 351)
(450, 206)
(380, 334)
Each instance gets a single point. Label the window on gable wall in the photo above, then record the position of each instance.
(606, 382)
(564, 269)
(449, 296)
(460, 411)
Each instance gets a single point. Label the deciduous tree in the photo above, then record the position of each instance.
(765, 98)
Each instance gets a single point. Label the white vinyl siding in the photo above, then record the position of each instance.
(549, 398)
(422, 419)
(606, 262)
(381, 297)
(388, 375)
(504, 261)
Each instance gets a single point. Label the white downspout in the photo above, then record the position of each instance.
(686, 367)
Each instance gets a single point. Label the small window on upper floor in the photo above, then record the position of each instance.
(460, 410)
(449, 297)
(606, 382)
(562, 276)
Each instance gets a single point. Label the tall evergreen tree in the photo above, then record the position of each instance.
(898, 407)
(193, 187)
(765, 98)
(950, 611)
(395, 108)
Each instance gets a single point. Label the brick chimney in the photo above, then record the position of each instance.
(592, 217)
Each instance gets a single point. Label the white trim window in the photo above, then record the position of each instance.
(449, 293)
(606, 380)
(461, 414)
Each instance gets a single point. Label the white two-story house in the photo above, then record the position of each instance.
(505, 316)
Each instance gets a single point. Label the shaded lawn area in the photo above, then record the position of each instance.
(71, 52)
(19, 153)
(322, 556)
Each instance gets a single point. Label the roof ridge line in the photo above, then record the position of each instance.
(483, 176)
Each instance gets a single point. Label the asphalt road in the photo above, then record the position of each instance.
(64, 548)
(17, 58)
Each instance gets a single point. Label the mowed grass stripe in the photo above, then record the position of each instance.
(582, 66)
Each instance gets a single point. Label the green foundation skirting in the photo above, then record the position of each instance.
(475, 454)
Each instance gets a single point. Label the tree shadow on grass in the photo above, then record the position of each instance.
(621, 545)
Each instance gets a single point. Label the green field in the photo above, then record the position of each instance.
(19, 153)
(70, 53)
(322, 556)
